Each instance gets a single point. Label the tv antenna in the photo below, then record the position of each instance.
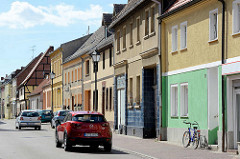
(33, 49)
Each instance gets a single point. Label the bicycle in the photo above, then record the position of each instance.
(192, 135)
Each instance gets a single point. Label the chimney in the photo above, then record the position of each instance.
(22, 68)
(6, 75)
(2, 78)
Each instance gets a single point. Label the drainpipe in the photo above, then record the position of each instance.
(82, 85)
(223, 61)
(160, 67)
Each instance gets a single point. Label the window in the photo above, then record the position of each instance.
(110, 100)
(183, 27)
(103, 59)
(131, 34)
(107, 99)
(72, 75)
(213, 25)
(174, 38)
(68, 77)
(65, 102)
(174, 100)
(87, 68)
(124, 38)
(131, 91)
(147, 22)
(75, 75)
(138, 91)
(236, 16)
(79, 98)
(118, 41)
(152, 19)
(79, 74)
(184, 99)
(110, 57)
(65, 78)
(138, 29)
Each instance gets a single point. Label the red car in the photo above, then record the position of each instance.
(84, 128)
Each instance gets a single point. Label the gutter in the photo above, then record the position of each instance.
(223, 81)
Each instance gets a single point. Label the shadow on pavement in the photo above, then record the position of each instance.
(96, 151)
(2, 122)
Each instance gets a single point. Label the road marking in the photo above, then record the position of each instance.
(134, 152)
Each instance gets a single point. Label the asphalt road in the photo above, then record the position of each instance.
(34, 144)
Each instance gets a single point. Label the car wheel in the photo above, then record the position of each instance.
(58, 144)
(35, 128)
(39, 128)
(19, 127)
(107, 147)
(67, 145)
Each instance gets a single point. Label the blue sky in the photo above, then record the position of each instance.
(29, 27)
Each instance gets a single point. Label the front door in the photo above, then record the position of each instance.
(121, 108)
(236, 117)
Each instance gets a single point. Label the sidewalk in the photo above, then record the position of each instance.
(151, 148)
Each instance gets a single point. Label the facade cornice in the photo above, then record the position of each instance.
(149, 53)
(120, 64)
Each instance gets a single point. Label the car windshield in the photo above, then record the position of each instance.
(30, 114)
(44, 112)
(89, 118)
(63, 113)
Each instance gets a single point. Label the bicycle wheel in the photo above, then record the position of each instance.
(196, 140)
(186, 139)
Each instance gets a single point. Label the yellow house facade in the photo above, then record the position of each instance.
(56, 67)
(136, 69)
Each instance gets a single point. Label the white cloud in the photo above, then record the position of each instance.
(25, 15)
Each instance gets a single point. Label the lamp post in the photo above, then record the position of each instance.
(52, 76)
(95, 57)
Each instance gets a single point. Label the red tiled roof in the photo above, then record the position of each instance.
(39, 89)
(177, 4)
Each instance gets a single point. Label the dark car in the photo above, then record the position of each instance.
(46, 115)
(58, 115)
(84, 128)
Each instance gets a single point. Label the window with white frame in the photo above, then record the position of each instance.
(236, 16)
(183, 27)
(184, 99)
(174, 100)
(174, 38)
(213, 25)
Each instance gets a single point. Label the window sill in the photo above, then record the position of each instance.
(146, 37)
(174, 52)
(184, 116)
(174, 116)
(86, 75)
(236, 34)
(124, 49)
(212, 41)
(152, 34)
(138, 42)
(118, 52)
(137, 107)
(130, 107)
(131, 46)
(183, 49)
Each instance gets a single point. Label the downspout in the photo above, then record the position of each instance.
(223, 61)
(82, 85)
(160, 68)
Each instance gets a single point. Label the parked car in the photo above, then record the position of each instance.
(84, 128)
(46, 115)
(28, 118)
(58, 115)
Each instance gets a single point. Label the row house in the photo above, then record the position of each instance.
(77, 74)
(200, 70)
(137, 69)
(31, 77)
(57, 58)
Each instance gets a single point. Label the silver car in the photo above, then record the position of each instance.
(28, 118)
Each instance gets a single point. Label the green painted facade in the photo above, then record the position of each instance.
(197, 101)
